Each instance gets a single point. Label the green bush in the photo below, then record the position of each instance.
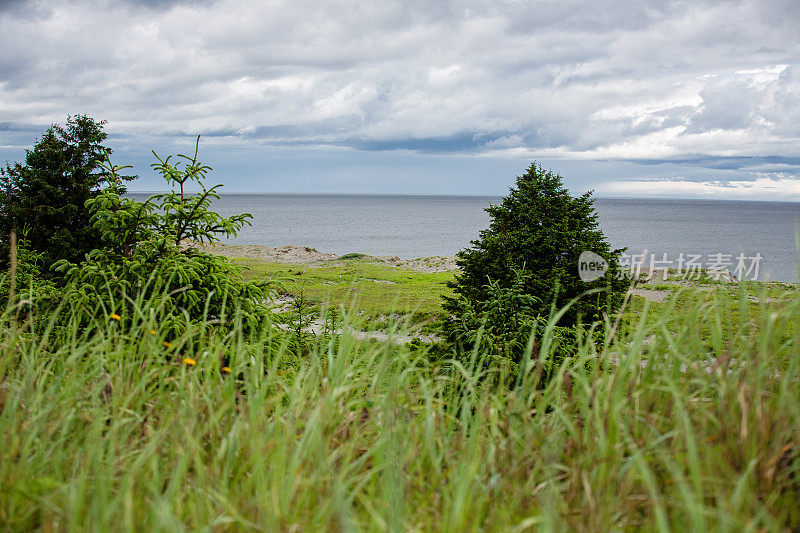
(525, 266)
(148, 252)
(507, 329)
(31, 289)
(45, 198)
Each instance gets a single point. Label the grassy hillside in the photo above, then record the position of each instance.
(688, 419)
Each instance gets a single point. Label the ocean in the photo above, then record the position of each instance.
(757, 237)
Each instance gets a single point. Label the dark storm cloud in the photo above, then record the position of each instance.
(8, 5)
(767, 163)
(25, 9)
(460, 142)
(166, 4)
(14, 126)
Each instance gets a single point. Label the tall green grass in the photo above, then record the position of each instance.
(680, 421)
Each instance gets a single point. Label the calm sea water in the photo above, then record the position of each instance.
(416, 226)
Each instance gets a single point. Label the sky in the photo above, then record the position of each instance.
(696, 99)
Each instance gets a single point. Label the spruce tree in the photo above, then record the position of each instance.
(44, 199)
(531, 248)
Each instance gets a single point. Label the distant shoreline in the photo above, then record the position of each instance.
(497, 196)
(293, 254)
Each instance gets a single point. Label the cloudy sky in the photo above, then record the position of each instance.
(631, 98)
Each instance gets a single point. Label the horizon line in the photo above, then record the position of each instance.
(466, 195)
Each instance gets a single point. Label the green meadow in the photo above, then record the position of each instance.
(377, 290)
(687, 417)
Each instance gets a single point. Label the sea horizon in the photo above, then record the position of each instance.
(498, 195)
(423, 225)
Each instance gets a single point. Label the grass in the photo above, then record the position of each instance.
(378, 289)
(385, 294)
(749, 297)
(670, 426)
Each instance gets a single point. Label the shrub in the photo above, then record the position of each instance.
(505, 325)
(30, 288)
(148, 253)
(45, 198)
(524, 267)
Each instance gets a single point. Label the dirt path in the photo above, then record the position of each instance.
(649, 294)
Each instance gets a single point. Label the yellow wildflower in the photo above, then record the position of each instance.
(189, 361)
(167, 344)
(227, 369)
(115, 316)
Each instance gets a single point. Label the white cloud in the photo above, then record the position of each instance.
(584, 80)
(761, 188)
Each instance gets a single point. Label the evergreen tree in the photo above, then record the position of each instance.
(45, 198)
(531, 247)
(148, 253)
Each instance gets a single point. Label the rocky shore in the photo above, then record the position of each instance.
(303, 255)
